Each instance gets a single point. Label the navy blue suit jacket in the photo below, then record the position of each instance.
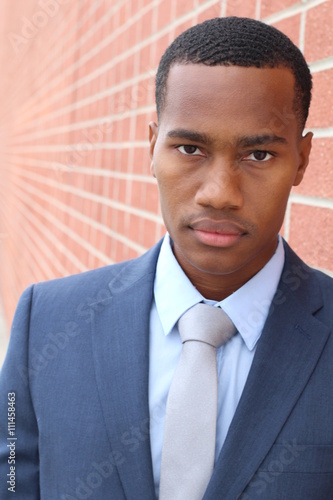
(78, 364)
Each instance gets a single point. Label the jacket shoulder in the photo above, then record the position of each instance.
(93, 282)
(314, 288)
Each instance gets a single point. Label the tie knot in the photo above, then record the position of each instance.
(207, 324)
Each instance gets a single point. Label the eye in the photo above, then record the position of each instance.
(259, 156)
(190, 150)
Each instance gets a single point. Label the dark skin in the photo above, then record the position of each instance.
(225, 163)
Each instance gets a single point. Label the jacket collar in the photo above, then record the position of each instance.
(120, 336)
(288, 351)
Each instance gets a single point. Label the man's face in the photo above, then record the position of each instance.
(225, 155)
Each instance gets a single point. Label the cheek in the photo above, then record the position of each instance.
(275, 188)
(174, 184)
(265, 202)
(273, 207)
(172, 196)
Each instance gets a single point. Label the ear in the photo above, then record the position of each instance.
(304, 153)
(153, 133)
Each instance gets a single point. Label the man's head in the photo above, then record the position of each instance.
(228, 147)
(236, 41)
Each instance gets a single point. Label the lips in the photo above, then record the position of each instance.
(221, 234)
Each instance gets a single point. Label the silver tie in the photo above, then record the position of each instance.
(190, 423)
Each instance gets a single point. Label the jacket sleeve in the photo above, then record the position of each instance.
(19, 461)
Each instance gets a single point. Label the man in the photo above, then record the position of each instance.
(92, 356)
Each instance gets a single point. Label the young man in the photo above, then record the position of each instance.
(92, 357)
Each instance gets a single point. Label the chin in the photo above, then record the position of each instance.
(215, 268)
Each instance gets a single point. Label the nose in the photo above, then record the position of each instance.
(220, 186)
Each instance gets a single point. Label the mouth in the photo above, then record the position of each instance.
(222, 234)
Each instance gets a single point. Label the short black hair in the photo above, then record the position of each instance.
(237, 41)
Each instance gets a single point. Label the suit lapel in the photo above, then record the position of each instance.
(120, 336)
(287, 353)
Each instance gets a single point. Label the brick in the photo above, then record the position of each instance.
(210, 13)
(182, 7)
(147, 23)
(121, 160)
(122, 14)
(164, 14)
(141, 160)
(241, 8)
(318, 179)
(161, 45)
(124, 41)
(149, 197)
(290, 27)
(145, 54)
(148, 234)
(37, 91)
(321, 109)
(319, 32)
(311, 235)
(141, 128)
(182, 27)
(143, 92)
(120, 190)
(268, 7)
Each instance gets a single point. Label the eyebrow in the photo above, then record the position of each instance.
(190, 135)
(261, 140)
(245, 141)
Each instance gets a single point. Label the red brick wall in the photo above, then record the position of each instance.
(77, 93)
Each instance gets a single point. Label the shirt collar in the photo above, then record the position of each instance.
(247, 307)
(173, 291)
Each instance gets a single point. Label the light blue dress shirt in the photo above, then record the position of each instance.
(248, 309)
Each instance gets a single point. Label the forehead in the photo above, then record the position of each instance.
(230, 98)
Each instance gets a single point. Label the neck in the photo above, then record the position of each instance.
(218, 287)
(218, 284)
